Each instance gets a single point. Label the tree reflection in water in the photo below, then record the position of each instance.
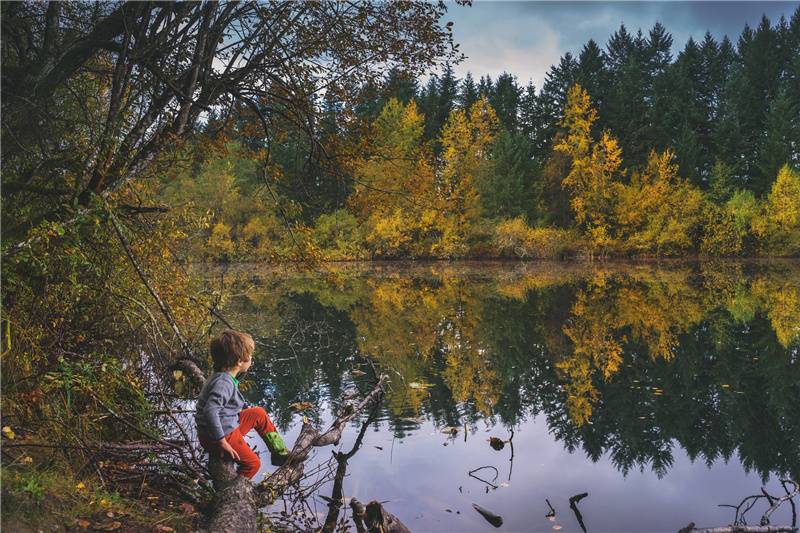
(625, 361)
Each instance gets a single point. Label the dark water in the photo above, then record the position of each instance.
(662, 391)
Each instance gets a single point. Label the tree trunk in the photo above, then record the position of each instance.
(237, 500)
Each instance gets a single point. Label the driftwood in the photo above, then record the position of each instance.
(739, 529)
(573, 504)
(494, 519)
(237, 500)
(739, 524)
(375, 518)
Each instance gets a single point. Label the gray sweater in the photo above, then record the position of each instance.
(218, 406)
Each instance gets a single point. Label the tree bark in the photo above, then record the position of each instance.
(237, 500)
(739, 529)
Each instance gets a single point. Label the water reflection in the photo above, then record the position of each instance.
(624, 361)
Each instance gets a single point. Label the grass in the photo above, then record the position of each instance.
(42, 491)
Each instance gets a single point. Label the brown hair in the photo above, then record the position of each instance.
(230, 347)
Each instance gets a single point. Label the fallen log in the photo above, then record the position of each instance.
(237, 500)
(739, 529)
(765, 527)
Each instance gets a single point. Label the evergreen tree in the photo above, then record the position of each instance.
(428, 105)
(400, 86)
(687, 115)
(552, 99)
(624, 113)
(511, 189)
(529, 118)
(592, 73)
(468, 94)
(781, 144)
(505, 101)
(486, 86)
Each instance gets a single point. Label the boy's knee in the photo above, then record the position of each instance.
(250, 466)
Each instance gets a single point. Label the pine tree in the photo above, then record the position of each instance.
(505, 101)
(468, 94)
(592, 73)
(511, 188)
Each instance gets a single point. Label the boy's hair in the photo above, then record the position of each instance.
(230, 347)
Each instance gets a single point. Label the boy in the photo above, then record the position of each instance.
(221, 421)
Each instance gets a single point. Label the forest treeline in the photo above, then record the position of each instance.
(625, 150)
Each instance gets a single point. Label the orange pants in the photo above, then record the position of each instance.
(249, 463)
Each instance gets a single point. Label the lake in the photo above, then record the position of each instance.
(661, 390)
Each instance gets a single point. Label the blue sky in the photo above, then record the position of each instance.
(525, 38)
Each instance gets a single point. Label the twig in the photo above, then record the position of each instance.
(496, 473)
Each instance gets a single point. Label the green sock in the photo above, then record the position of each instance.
(275, 443)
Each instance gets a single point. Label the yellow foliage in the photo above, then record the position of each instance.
(594, 180)
(467, 138)
(783, 203)
(524, 241)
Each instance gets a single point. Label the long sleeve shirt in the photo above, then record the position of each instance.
(218, 406)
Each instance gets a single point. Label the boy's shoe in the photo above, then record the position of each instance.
(278, 459)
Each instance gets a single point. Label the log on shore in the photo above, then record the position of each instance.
(237, 500)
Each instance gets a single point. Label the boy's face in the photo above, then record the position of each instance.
(245, 365)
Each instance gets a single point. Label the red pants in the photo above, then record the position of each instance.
(253, 418)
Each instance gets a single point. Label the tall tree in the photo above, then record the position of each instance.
(467, 141)
(594, 180)
(468, 94)
(552, 99)
(505, 101)
(592, 72)
(512, 187)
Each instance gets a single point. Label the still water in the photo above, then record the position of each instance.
(661, 390)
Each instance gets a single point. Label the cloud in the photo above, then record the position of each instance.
(526, 38)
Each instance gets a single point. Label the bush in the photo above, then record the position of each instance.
(515, 236)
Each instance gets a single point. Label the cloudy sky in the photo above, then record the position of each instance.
(525, 38)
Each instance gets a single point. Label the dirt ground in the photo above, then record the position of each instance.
(21, 514)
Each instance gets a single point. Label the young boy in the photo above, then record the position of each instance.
(221, 421)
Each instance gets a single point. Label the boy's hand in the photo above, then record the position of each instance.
(227, 448)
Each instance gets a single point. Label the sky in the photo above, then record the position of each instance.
(525, 38)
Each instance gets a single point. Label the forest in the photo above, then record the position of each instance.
(142, 138)
(625, 151)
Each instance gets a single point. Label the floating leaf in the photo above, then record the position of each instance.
(497, 444)
(450, 429)
(300, 406)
